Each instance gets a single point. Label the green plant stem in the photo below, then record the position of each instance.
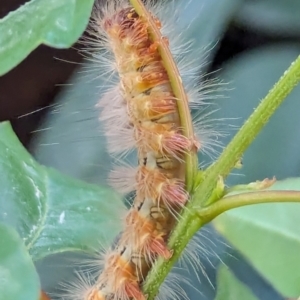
(190, 223)
(248, 132)
(209, 213)
(178, 243)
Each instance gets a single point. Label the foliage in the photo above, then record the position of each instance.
(19, 279)
(48, 210)
(43, 212)
(52, 22)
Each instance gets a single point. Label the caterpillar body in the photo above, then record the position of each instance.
(143, 111)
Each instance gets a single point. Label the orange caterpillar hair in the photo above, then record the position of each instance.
(141, 112)
(153, 119)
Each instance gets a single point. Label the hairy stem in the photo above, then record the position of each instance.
(248, 132)
(190, 223)
(209, 213)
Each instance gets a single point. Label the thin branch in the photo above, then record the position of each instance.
(209, 213)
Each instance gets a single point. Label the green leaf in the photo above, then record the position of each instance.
(272, 17)
(210, 19)
(51, 212)
(18, 278)
(268, 235)
(74, 143)
(229, 287)
(52, 22)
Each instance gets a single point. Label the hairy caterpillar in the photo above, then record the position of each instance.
(143, 111)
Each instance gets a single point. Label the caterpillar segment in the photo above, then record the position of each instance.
(154, 123)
